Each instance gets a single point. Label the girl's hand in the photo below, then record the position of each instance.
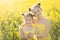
(29, 35)
(26, 36)
(23, 38)
(39, 36)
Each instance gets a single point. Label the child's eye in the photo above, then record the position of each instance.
(38, 10)
(28, 20)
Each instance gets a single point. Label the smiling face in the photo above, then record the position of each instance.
(36, 10)
(28, 18)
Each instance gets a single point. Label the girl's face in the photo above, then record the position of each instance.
(36, 11)
(28, 19)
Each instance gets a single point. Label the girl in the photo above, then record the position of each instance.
(26, 30)
(40, 22)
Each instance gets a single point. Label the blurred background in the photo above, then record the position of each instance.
(10, 17)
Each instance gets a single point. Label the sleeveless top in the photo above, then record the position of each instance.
(27, 30)
(41, 28)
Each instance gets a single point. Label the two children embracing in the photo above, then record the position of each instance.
(35, 26)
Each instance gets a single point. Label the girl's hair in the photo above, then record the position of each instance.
(38, 5)
(29, 15)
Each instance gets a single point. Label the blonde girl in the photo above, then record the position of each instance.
(40, 22)
(26, 30)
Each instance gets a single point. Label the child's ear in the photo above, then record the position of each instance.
(29, 9)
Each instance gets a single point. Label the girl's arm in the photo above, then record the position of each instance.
(47, 29)
(36, 31)
(21, 32)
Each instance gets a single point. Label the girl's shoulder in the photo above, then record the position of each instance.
(45, 20)
(21, 26)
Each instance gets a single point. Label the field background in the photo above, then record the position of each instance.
(10, 17)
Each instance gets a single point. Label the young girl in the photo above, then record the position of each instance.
(26, 30)
(40, 22)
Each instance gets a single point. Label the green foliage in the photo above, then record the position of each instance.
(55, 24)
(9, 28)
